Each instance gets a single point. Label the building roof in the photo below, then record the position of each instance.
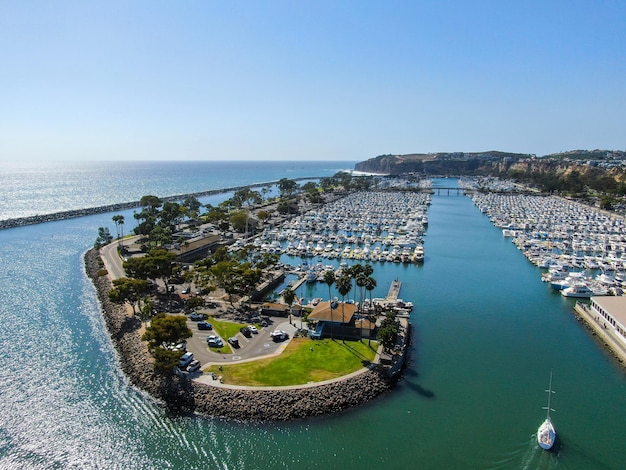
(275, 306)
(365, 324)
(614, 305)
(323, 312)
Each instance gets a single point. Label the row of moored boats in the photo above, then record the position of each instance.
(583, 250)
(377, 226)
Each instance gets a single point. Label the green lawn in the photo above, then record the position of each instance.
(303, 361)
(225, 329)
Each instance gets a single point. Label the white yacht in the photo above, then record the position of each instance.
(582, 291)
(546, 434)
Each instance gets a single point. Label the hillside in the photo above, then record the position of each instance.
(439, 163)
(601, 170)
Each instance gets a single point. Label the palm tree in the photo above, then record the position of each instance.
(360, 280)
(119, 225)
(344, 285)
(370, 285)
(354, 271)
(329, 278)
(289, 296)
(116, 219)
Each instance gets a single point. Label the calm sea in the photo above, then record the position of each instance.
(55, 187)
(487, 333)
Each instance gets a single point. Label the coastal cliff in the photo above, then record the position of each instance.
(577, 164)
(240, 404)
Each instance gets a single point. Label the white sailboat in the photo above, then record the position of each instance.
(546, 434)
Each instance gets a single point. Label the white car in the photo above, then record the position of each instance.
(279, 335)
(253, 329)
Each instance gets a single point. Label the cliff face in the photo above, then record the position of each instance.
(496, 163)
(482, 163)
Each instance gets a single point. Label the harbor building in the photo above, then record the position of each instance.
(613, 310)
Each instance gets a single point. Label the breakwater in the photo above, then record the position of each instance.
(189, 396)
(70, 214)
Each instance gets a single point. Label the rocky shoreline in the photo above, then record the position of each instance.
(192, 397)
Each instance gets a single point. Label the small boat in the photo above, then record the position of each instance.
(546, 434)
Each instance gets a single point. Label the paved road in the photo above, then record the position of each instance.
(112, 261)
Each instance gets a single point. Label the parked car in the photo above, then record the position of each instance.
(279, 335)
(185, 291)
(196, 316)
(193, 366)
(215, 341)
(246, 331)
(185, 360)
(233, 341)
(253, 329)
(204, 325)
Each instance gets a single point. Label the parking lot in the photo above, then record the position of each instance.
(256, 346)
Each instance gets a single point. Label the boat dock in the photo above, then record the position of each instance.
(394, 291)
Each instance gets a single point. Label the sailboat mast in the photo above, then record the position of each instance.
(550, 392)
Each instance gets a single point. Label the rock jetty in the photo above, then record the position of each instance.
(70, 214)
(219, 402)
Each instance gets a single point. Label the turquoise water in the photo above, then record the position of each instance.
(487, 333)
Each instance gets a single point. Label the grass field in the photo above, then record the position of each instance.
(303, 360)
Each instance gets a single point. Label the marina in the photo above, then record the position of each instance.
(486, 333)
(372, 226)
(582, 249)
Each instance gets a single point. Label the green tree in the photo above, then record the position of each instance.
(165, 330)
(129, 290)
(193, 303)
(239, 221)
(388, 331)
(165, 360)
(287, 187)
(147, 217)
(160, 265)
(104, 237)
(170, 216)
(191, 207)
(263, 215)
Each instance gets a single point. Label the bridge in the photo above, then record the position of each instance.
(447, 191)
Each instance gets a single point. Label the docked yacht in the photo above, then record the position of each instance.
(582, 291)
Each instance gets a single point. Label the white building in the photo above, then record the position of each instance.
(613, 310)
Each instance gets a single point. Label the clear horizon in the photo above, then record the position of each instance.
(306, 81)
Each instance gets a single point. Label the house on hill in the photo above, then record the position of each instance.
(339, 320)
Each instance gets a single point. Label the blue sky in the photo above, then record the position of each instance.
(308, 80)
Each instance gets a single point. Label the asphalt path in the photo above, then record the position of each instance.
(112, 260)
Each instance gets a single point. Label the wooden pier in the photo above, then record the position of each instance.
(394, 291)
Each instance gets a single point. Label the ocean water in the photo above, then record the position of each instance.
(487, 333)
(55, 187)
